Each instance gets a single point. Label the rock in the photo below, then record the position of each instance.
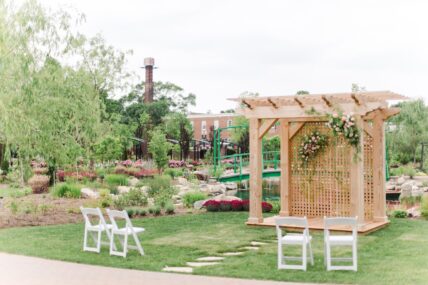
(201, 175)
(144, 189)
(233, 253)
(231, 192)
(414, 212)
(231, 186)
(182, 181)
(406, 188)
(198, 204)
(123, 189)
(390, 185)
(150, 202)
(416, 191)
(89, 193)
(133, 181)
(223, 197)
(401, 180)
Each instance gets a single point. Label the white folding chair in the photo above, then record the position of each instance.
(94, 229)
(123, 233)
(303, 240)
(340, 240)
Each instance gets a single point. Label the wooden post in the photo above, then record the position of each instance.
(357, 177)
(379, 198)
(285, 168)
(255, 172)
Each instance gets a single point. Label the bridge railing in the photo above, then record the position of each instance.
(271, 159)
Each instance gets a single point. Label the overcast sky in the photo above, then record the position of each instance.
(219, 49)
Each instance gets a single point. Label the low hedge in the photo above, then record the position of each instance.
(234, 205)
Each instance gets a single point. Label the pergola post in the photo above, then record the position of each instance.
(379, 198)
(285, 168)
(357, 177)
(256, 168)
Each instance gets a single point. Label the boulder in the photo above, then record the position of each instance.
(406, 188)
(133, 182)
(223, 197)
(201, 175)
(413, 212)
(231, 186)
(89, 193)
(231, 192)
(123, 189)
(390, 185)
(182, 181)
(198, 204)
(416, 191)
(401, 180)
(144, 189)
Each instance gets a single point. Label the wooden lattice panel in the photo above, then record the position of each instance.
(368, 177)
(322, 187)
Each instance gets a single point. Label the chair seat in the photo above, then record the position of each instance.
(123, 230)
(337, 239)
(100, 227)
(294, 239)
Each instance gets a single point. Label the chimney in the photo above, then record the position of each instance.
(149, 63)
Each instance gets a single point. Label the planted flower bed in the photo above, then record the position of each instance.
(234, 205)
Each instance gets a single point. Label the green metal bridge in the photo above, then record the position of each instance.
(239, 162)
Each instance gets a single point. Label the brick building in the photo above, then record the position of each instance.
(203, 123)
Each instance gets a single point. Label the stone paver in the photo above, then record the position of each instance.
(256, 243)
(233, 253)
(178, 269)
(251, 247)
(200, 264)
(24, 270)
(210, 258)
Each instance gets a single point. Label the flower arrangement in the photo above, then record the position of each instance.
(311, 145)
(345, 125)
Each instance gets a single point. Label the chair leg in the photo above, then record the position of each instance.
(311, 254)
(125, 245)
(99, 242)
(354, 257)
(304, 256)
(280, 255)
(327, 246)
(137, 242)
(85, 240)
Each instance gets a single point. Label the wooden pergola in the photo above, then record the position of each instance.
(338, 184)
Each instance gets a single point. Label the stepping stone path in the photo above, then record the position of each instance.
(178, 269)
(212, 260)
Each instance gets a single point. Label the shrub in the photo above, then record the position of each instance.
(399, 214)
(114, 180)
(266, 207)
(225, 206)
(424, 206)
(176, 163)
(140, 212)
(66, 190)
(191, 197)
(106, 200)
(157, 184)
(39, 183)
(155, 210)
(130, 212)
(135, 197)
(170, 208)
(236, 205)
(173, 172)
(212, 205)
(245, 205)
(276, 207)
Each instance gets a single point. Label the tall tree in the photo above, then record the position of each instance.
(178, 127)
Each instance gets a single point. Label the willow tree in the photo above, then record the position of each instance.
(49, 104)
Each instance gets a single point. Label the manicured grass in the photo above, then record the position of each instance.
(395, 255)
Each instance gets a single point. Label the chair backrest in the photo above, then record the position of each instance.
(92, 212)
(114, 215)
(292, 221)
(341, 221)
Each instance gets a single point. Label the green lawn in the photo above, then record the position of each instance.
(395, 255)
